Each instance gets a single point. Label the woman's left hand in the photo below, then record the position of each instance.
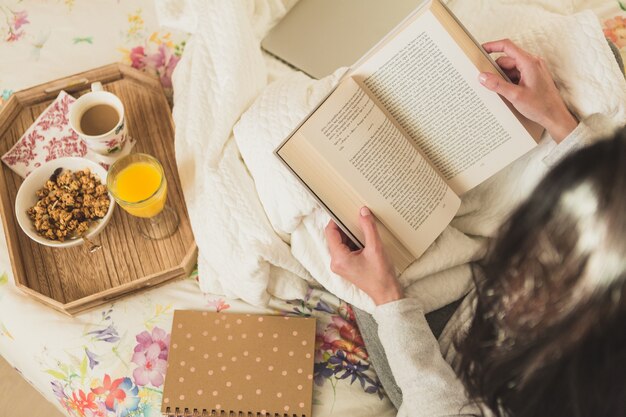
(369, 268)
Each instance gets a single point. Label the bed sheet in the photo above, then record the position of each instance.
(84, 364)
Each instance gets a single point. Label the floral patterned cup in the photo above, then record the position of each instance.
(108, 143)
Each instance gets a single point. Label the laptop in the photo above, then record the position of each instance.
(319, 36)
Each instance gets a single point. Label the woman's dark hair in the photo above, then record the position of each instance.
(549, 334)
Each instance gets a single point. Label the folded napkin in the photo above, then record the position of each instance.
(51, 137)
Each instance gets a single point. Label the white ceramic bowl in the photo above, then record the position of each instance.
(27, 198)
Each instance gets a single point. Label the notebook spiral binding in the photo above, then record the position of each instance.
(178, 412)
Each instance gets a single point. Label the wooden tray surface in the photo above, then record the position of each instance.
(72, 279)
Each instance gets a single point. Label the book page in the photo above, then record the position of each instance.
(429, 86)
(369, 152)
(337, 196)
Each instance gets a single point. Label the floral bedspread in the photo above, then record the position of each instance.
(50, 39)
(615, 26)
(111, 361)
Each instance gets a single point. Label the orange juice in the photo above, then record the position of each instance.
(140, 185)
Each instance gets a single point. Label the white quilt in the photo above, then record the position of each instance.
(258, 231)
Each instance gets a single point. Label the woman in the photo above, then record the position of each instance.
(548, 337)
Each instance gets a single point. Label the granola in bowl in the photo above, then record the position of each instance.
(63, 202)
(68, 203)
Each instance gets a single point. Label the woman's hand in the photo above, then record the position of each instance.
(533, 92)
(369, 268)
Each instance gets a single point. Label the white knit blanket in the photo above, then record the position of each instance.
(258, 231)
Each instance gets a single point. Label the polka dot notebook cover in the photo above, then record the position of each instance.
(224, 364)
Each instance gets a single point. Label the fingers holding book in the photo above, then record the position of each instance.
(370, 268)
(509, 66)
(532, 90)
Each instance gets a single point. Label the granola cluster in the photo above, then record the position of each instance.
(68, 203)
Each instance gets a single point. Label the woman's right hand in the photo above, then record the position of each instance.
(532, 91)
(370, 268)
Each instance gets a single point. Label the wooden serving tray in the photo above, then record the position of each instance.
(72, 279)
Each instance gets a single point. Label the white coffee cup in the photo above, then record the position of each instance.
(107, 134)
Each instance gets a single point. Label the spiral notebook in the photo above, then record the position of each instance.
(223, 364)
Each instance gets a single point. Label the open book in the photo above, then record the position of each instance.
(407, 131)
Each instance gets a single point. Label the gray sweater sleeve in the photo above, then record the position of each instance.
(430, 388)
(588, 131)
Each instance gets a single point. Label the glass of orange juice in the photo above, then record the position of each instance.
(138, 184)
